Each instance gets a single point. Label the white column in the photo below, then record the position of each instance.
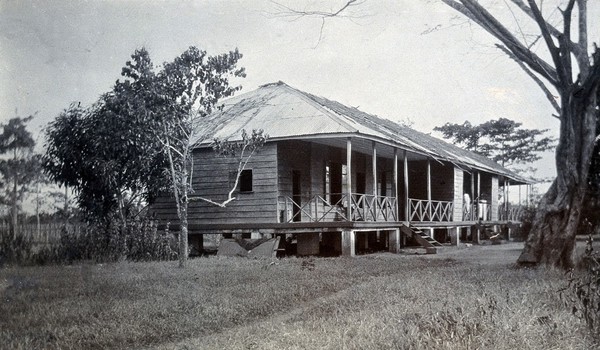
(374, 169)
(473, 196)
(375, 189)
(396, 183)
(478, 192)
(429, 190)
(349, 178)
(429, 179)
(507, 184)
(406, 203)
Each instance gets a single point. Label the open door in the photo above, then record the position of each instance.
(335, 182)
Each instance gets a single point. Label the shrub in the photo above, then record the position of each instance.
(526, 223)
(15, 249)
(138, 240)
(584, 288)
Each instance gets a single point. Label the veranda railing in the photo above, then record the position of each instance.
(368, 207)
(426, 210)
(333, 207)
(512, 213)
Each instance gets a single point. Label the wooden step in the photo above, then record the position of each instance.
(421, 237)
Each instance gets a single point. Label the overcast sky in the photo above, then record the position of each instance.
(382, 61)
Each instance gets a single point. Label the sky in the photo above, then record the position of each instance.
(403, 60)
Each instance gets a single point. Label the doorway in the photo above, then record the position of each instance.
(297, 195)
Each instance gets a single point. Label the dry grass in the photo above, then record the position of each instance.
(460, 299)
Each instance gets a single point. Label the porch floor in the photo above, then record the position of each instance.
(324, 226)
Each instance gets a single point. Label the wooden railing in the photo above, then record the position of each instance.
(368, 207)
(425, 210)
(333, 207)
(512, 213)
(365, 207)
(318, 208)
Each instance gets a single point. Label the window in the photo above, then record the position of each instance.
(246, 181)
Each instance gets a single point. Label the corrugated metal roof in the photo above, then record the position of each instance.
(285, 112)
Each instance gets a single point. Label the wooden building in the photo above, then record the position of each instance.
(337, 178)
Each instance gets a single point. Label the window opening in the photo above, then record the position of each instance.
(246, 180)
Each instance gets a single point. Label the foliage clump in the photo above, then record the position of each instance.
(503, 140)
(527, 216)
(583, 291)
(137, 240)
(15, 249)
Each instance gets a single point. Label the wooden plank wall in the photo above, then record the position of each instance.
(213, 179)
(494, 190)
(457, 215)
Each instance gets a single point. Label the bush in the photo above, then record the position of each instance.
(15, 249)
(138, 240)
(526, 223)
(583, 291)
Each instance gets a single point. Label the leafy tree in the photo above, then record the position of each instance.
(138, 139)
(502, 140)
(39, 181)
(108, 152)
(19, 166)
(572, 73)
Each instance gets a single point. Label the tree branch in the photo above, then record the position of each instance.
(565, 50)
(535, 78)
(173, 174)
(170, 147)
(476, 12)
(321, 14)
(561, 55)
(582, 57)
(527, 10)
(578, 49)
(241, 167)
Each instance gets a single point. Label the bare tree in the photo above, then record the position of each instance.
(191, 88)
(574, 73)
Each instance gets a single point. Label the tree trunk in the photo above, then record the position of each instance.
(552, 237)
(183, 233)
(66, 209)
(14, 208)
(37, 211)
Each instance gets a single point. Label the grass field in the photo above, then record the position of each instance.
(462, 298)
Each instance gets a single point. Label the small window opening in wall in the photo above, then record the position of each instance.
(246, 180)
